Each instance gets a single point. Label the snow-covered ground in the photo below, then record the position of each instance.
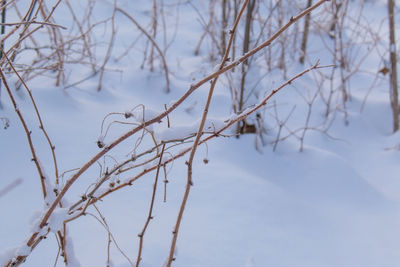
(336, 203)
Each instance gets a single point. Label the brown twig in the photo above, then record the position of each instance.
(165, 183)
(11, 32)
(33, 22)
(41, 125)
(109, 47)
(84, 36)
(56, 38)
(24, 34)
(103, 222)
(28, 134)
(150, 214)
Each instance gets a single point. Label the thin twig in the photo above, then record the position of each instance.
(154, 44)
(103, 222)
(150, 214)
(109, 47)
(28, 134)
(33, 22)
(41, 125)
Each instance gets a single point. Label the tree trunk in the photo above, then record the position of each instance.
(245, 65)
(305, 34)
(224, 26)
(393, 68)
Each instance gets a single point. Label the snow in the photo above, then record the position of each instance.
(8, 254)
(336, 203)
(183, 131)
(23, 250)
(56, 220)
(177, 132)
(72, 260)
